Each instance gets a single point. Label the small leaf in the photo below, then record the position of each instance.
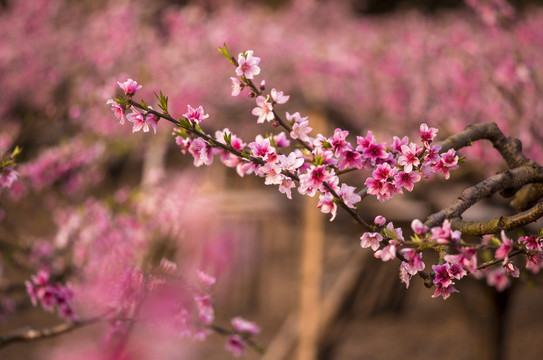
(144, 105)
(245, 155)
(16, 151)
(227, 138)
(198, 128)
(224, 51)
(121, 101)
(184, 123)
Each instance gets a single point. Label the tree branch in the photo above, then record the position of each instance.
(30, 334)
(496, 225)
(514, 178)
(509, 148)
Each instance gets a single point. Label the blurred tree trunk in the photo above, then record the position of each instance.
(312, 262)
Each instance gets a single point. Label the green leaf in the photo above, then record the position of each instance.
(228, 138)
(423, 246)
(16, 151)
(198, 128)
(184, 123)
(272, 140)
(318, 160)
(162, 102)
(245, 155)
(495, 241)
(326, 145)
(224, 51)
(121, 101)
(144, 105)
(180, 132)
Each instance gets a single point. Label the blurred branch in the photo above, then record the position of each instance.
(30, 334)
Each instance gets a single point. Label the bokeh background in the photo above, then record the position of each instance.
(385, 66)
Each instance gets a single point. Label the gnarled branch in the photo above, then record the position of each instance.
(496, 225)
(509, 148)
(509, 179)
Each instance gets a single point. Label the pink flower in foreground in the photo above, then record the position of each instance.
(532, 242)
(261, 148)
(371, 240)
(380, 220)
(118, 110)
(290, 162)
(512, 269)
(442, 277)
(413, 265)
(444, 234)
(248, 65)
(449, 161)
(418, 227)
(388, 252)
(444, 291)
(427, 134)
(236, 86)
(414, 260)
(503, 251)
(406, 180)
(327, 205)
(201, 151)
(151, 119)
(285, 186)
(466, 259)
(278, 96)
(129, 87)
(338, 140)
(195, 115)
(300, 130)
(272, 172)
(139, 121)
(263, 110)
(409, 157)
(348, 195)
(314, 178)
(281, 140)
(383, 171)
(245, 326)
(397, 143)
(350, 159)
(235, 344)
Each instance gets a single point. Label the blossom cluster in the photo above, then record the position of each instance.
(51, 295)
(314, 168)
(461, 261)
(105, 244)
